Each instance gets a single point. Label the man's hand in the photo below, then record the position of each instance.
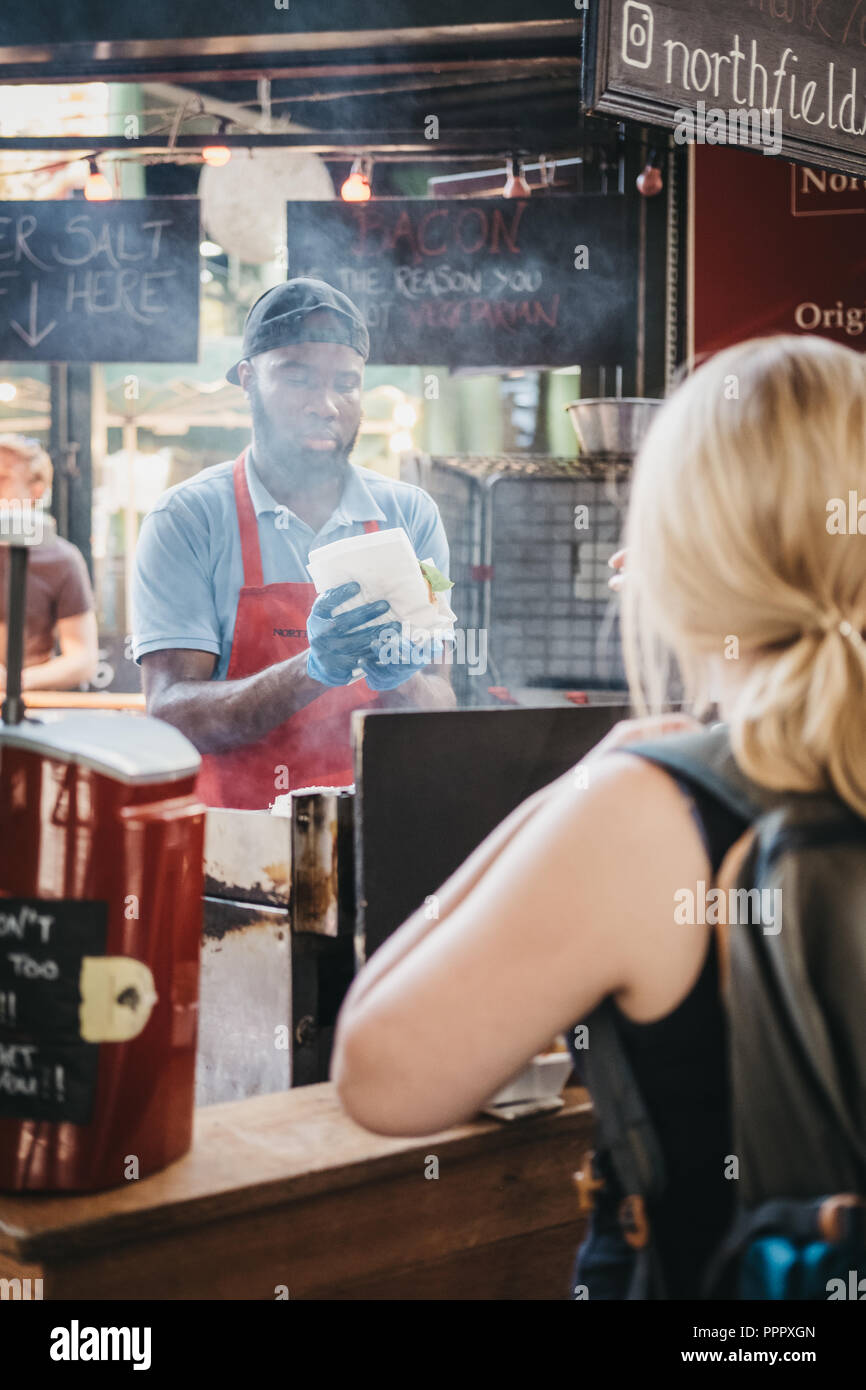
(427, 689)
(396, 660)
(2, 680)
(338, 645)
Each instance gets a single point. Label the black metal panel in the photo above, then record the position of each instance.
(323, 967)
(461, 773)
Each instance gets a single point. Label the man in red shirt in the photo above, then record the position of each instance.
(59, 596)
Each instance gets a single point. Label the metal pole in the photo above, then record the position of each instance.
(130, 518)
(78, 459)
(13, 705)
(59, 446)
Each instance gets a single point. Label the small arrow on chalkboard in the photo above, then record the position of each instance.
(33, 339)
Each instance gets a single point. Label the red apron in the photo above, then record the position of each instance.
(313, 746)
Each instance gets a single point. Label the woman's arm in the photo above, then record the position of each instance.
(463, 880)
(580, 907)
(449, 897)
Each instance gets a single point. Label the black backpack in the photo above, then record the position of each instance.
(795, 997)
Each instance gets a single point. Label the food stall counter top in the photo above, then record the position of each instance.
(287, 1189)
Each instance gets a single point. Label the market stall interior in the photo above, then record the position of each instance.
(517, 263)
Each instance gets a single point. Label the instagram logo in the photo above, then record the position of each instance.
(637, 34)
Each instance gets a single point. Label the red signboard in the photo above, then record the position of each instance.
(774, 248)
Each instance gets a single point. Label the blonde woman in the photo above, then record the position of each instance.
(737, 571)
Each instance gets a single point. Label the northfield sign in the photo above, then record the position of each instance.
(802, 59)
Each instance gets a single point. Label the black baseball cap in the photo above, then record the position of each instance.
(280, 316)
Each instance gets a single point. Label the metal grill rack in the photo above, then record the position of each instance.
(524, 572)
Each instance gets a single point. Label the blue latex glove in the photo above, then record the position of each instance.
(396, 660)
(338, 645)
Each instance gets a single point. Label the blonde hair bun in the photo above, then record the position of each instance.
(744, 525)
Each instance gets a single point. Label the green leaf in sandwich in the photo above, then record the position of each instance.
(437, 583)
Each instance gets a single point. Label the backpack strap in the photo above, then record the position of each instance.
(625, 1129)
(728, 874)
(705, 759)
(778, 822)
(626, 1133)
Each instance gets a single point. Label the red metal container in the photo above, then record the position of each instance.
(101, 852)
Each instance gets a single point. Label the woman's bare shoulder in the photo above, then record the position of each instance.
(618, 780)
(629, 844)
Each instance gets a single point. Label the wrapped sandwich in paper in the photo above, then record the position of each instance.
(386, 567)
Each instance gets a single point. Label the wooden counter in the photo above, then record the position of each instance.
(286, 1190)
(86, 699)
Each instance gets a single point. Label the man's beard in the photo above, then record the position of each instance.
(297, 466)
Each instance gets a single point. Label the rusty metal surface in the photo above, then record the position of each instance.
(277, 947)
(247, 856)
(245, 1010)
(315, 881)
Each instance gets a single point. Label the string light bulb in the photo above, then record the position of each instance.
(217, 155)
(649, 181)
(97, 189)
(515, 184)
(356, 188)
(405, 414)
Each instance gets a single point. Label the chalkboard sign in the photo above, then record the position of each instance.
(99, 282)
(47, 1070)
(543, 281)
(803, 64)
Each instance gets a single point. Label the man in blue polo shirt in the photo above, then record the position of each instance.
(237, 650)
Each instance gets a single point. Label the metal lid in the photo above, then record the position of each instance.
(129, 748)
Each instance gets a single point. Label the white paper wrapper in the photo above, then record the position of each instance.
(386, 567)
(541, 1079)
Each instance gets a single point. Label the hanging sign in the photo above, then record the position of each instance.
(784, 76)
(100, 282)
(805, 273)
(474, 282)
